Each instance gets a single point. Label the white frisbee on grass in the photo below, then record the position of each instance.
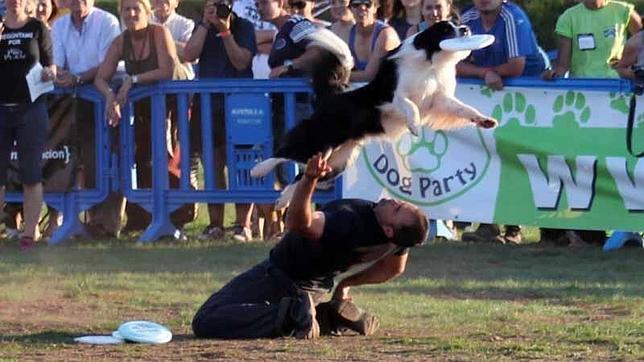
(144, 332)
(472, 42)
(99, 340)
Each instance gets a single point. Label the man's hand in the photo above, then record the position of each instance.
(65, 79)
(112, 113)
(316, 167)
(341, 292)
(222, 25)
(278, 71)
(48, 73)
(493, 80)
(121, 96)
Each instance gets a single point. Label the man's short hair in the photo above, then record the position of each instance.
(413, 234)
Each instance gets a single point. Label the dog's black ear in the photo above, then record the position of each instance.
(425, 40)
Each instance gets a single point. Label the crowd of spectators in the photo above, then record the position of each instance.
(264, 39)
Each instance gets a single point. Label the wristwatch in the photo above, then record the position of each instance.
(134, 79)
(289, 65)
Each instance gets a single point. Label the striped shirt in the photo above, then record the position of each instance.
(514, 38)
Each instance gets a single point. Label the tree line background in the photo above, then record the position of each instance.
(543, 13)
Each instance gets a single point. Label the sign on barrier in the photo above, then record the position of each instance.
(557, 159)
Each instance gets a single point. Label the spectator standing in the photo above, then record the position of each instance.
(24, 42)
(434, 11)
(264, 34)
(515, 51)
(46, 11)
(180, 28)
(150, 56)
(407, 13)
(591, 37)
(342, 19)
(81, 40)
(225, 45)
(302, 49)
(304, 8)
(631, 63)
(369, 40)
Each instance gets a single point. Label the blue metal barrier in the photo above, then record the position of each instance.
(249, 110)
(249, 139)
(73, 202)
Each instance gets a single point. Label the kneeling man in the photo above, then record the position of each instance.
(278, 297)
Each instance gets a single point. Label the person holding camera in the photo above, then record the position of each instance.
(225, 45)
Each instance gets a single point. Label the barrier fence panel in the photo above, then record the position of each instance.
(254, 111)
(74, 200)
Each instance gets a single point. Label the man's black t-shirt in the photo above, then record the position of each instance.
(20, 49)
(351, 236)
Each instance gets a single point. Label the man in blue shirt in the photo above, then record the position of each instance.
(515, 51)
(225, 45)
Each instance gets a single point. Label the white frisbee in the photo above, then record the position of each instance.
(472, 42)
(144, 332)
(99, 340)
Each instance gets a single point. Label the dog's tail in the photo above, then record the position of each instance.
(331, 72)
(263, 168)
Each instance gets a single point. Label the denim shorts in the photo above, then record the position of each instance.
(26, 124)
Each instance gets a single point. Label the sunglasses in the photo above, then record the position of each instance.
(297, 5)
(358, 4)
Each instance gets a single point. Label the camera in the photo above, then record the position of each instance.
(223, 10)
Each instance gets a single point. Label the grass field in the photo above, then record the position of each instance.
(456, 301)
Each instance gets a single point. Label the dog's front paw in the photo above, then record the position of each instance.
(414, 129)
(485, 122)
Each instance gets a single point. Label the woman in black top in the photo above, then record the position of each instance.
(24, 42)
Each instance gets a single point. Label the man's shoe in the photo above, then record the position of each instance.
(354, 318)
(310, 328)
(211, 232)
(484, 233)
(242, 234)
(510, 238)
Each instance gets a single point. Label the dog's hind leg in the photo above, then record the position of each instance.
(411, 112)
(263, 168)
(286, 195)
(344, 155)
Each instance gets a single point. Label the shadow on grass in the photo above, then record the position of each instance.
(45, 337)
(57, 337)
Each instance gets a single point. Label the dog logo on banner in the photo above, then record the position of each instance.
(431, 169)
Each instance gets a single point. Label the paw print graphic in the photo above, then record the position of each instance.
(420, 154)
(639, 121)
(571, 107)
(515, 109)
(619, 102)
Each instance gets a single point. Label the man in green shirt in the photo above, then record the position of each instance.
(592, 35)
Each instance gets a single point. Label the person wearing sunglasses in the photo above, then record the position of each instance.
(342, 18)
(369, 40)
(303, 49)
(304, 8)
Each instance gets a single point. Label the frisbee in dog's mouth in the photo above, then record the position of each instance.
(472, 42)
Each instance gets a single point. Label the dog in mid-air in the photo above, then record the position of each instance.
(414, 87)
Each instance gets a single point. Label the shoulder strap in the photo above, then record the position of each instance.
(629, 126)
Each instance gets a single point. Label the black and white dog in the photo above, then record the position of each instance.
(414, 87)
